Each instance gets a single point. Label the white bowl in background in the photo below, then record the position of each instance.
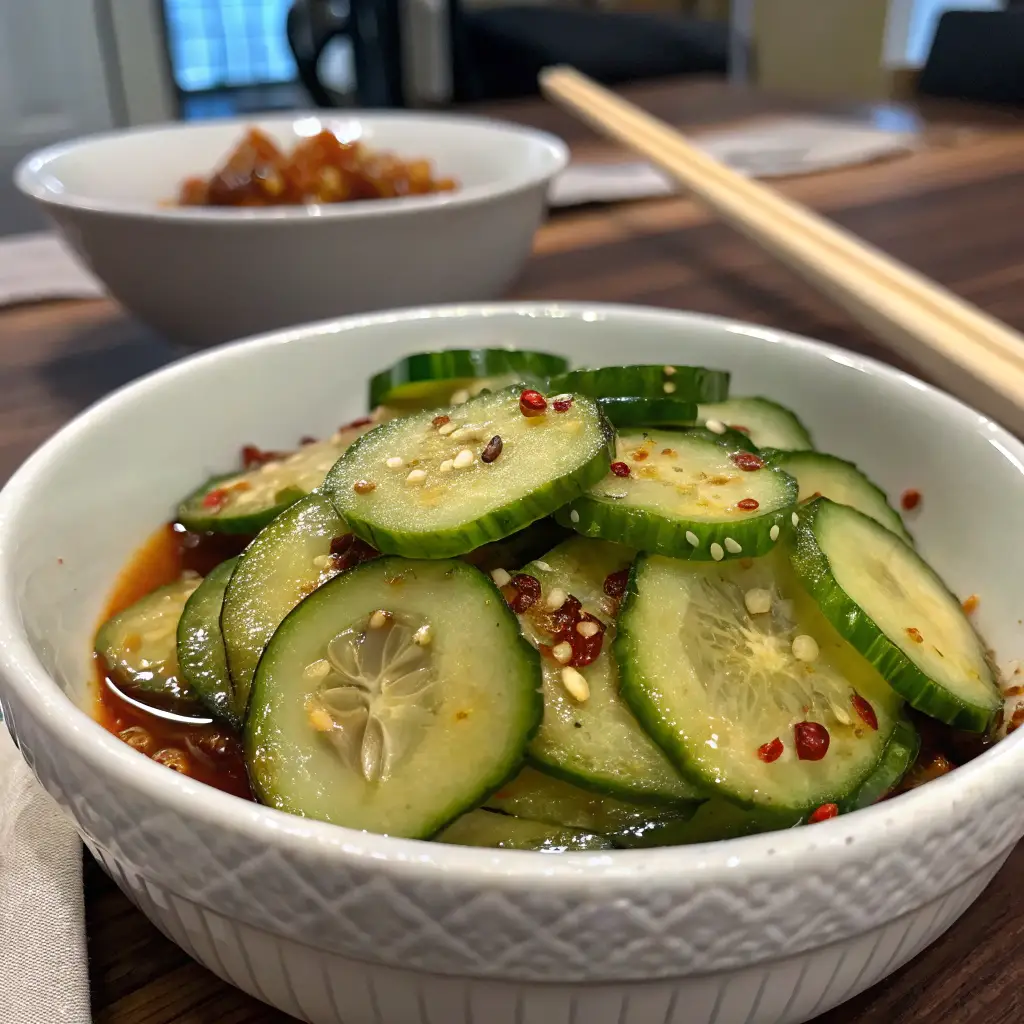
(202, 276)
(342, 927)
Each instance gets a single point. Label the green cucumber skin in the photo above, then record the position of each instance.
(859, 629)
(712, 822)
(780, 457)
(497, 525)
(800, 431)
(533, 712)
(900, 754)
(648, 531)
(424, 367)
(507, 832)
(649, 412)
(690, 383)
(201, 655)
(191, 516)
(734, 440)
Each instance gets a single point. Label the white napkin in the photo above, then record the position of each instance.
(772, 149)
(44, 976)
(39, 266)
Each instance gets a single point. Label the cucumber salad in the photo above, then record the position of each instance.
(528, 606)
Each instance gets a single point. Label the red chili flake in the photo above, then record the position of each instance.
(748, 504)
(910, 499)
(640, 454)
(747, 461)
(440, 421)
(823, 813)
(562, 624)
(562, 405)
(492, 450)
(348, 550)
(742, 430)
(816, 494)
(865, 711)
(364, 486)
(915, 634)
(586, 649)
(253, 457)
(812, 741)
(970, 606)
(615, 583)
(532, 403)
(356, 424)
(521, 592)
(306, 439)
(216, 498)
(770, 751)
(620, 469)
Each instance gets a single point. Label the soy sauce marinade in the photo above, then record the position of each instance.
(203, 750)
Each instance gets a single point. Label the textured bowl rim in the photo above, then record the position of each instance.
(29, 173)
(766, 856)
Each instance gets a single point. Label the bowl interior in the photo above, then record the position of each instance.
(74, 514)
(146, 166)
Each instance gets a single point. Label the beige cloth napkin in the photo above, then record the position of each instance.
(44, 976)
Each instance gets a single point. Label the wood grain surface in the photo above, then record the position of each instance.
(951, 210)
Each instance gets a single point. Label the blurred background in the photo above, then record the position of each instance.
(68, 67)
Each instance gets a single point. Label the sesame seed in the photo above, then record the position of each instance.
(416, 477)
(562, 653)
(447, 466)
(796, 519)
(575, 684)
(395, 462)
(320, 720)
(805, 648)
(758, 600)
(464, 459)
(840, 713)
(587, 628)
(716, 552)
(543, 565)
(774, 532)
(574, 516)
(501, 577)
(608, 605)
(692, 539)
(556, 599)
(460, 397)
(732, 546)
(318, 669)
(379, 619)
(447, 428)
(322, 561)
(669, 371)
(716, 426)
(467, 433)
(562, 398)
(423, 636)
(668, 387)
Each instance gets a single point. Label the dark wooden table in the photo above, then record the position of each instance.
(952, 210)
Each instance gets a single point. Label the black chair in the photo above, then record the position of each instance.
(977, 56)
(497, 53)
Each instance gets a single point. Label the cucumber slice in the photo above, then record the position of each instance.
(715, 820)
(393, 699)
(287, 560)
(595, 743)
(201, 655)
(428, 380)
(899, 755)
(520, 548)
(713, 668)
(501, 831)
(139, 645)
(433, 487)
(685, 383)
(821, 475)
(243, 503)
(540, 797)
(893, 608)
(685, 495)
(766, 423)
(649, 412)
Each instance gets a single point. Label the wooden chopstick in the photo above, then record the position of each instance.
(969, 352)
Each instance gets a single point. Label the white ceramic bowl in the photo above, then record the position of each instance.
(203, 276)
(348, 928)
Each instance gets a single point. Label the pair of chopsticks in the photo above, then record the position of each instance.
(970, 353)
